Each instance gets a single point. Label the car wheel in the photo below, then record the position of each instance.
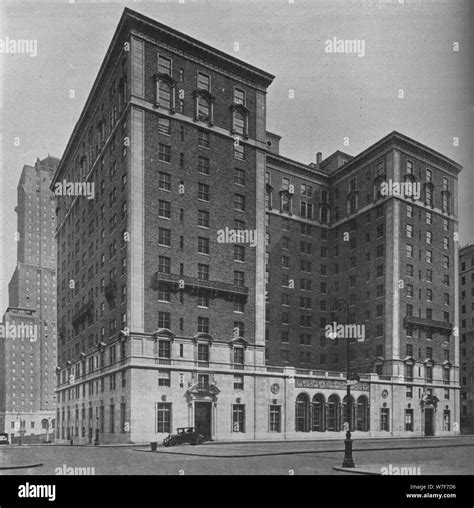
(199, 441)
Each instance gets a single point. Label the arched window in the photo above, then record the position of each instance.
(302, 413)
(324, 214)
(319, 404)
(352, 203)
(378, 182)
(344, 411)
(362, 414)
(285, 202)
(333, 423)
(203, 110)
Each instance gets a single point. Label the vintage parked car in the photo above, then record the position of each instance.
(4, 439)
(184, 435)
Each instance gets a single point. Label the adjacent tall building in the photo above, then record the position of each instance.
(466, 288)
(203, 251)
(28, 345)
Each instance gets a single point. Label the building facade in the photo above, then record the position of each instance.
(163, 277)
(27, 387)
(466, 331)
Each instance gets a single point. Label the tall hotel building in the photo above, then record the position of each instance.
(161, 307)
(466, 288)
(28, 353)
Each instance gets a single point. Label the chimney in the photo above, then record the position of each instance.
(319, 158)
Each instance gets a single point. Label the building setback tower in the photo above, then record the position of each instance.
(28, 362)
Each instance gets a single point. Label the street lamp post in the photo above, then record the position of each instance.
(348, 459)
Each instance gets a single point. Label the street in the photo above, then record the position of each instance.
(439, 456)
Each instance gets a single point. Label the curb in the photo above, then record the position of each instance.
(356, 471)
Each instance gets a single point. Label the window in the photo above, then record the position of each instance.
(239, 278)
(275, 418)
(203, 218)
(164, 348)
(164, 378)
(203, 192)
(409, 231)
(203, 271)
(203, 165)
(164, 320)
(203, 139)
(203, 109)
(164, 125)
(164, 237)
(446, 243)
(238, 354)
(385, 419)
(164, 152)
(203, 82)
(203, 301)
(203, 245)
(164, 65)
(164, 96)
(306, 209)
(239, 176)
(164, 209)
(409, 420)
(429, 175)
(203, 353)
(429, 256)
(429, 373)
(164, 294)
(410, 211)
(238, 382)
(164, 181)
(238, 123)
(163, 417)
(238, 418)
(239, 151)
(239, 253)
(239, 202)
(239, 96)
(409, 167)
(203, 324)
(446, 261)
(164, 264)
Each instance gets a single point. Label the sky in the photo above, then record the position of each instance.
(317, 102)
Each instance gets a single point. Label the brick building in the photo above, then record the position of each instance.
(27, 386)
(466, 331)
(162, 280)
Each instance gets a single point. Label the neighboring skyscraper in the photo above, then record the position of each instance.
(28, 364)
(161, 304)
(466, 288)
